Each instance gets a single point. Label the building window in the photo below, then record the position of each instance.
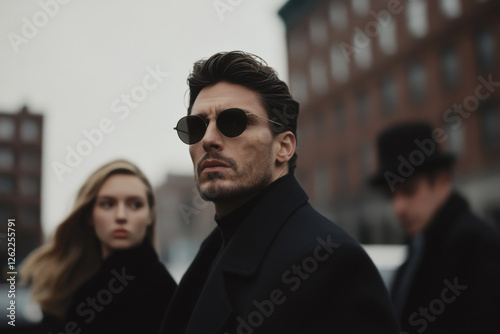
(6, 158)
(319, 79)
(389, 95)
(361, 7)
(342, 182)
(301, 135)
(299, 86)
(365, 159)
(338, 14)
(416, 17)
(6, 185)
(489, 120)
(485, 49)
(29, 186)
(319, 125)
(6, 212)
(318, 30)
(29, 161)
(387, 38)
(339, 116)
(362, 50)
(322, 184)
(298, 45)
(339, 64)
(7, 128)
(29, 216)
(362, 106)
(456, 138)
(417, 82)
(30, 131)
(450, 67)
(450, 8)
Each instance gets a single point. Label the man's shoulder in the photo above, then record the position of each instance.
(472, 228)
(309, 221)
(307, 229)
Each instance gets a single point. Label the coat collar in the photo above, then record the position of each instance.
(249, 245)
(447, 215)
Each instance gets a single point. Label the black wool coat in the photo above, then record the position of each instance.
(129, 294)
(456, 287)
(287, 269)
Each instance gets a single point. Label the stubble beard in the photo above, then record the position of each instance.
(214, 192)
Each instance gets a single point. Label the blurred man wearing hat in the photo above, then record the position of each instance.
(450, 282)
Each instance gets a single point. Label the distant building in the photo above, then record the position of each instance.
(183, 221)
(359, 66)
(20, 180)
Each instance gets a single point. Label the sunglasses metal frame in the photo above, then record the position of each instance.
(204, 119)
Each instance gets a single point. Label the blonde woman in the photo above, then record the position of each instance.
(100, 272)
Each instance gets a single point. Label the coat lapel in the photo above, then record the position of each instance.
(190, 286)
(213, 309)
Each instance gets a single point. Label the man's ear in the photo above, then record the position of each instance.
(285, 147)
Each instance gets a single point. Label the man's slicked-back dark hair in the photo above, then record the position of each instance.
(250, 71)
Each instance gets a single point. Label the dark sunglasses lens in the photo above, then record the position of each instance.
(232, 122)
(191, 129)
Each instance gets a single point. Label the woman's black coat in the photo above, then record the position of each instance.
(129, 294)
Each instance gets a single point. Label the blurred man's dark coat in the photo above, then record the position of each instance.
(456, 287)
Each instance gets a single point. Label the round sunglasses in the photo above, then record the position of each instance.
(230, 122)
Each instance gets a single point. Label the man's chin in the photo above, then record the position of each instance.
(212, 189)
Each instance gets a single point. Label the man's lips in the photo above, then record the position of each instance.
(212, 165)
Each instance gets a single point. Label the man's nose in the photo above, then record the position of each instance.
(212, 140)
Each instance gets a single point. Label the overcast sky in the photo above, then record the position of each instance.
(120, 67)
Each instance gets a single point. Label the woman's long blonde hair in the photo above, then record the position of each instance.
(57, 269)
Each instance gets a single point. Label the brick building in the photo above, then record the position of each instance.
(20, 180)
(359, 66)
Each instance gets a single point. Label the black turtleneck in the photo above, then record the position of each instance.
(228, 225)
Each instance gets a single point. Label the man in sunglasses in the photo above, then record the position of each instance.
(273, 264)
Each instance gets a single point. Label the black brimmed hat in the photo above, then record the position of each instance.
(409, 148)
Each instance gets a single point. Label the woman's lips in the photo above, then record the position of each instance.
(120, 233)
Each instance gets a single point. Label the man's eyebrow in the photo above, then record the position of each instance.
(205, 113)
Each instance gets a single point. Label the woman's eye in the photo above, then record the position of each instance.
(136, 205)
(105, 204)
